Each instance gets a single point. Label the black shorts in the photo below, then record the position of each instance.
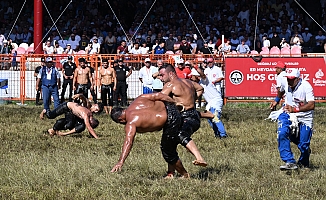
(191, 122)
(171, 129)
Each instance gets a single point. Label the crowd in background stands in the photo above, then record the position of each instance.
(91, 26)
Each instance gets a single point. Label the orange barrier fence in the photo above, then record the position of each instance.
(19, 70)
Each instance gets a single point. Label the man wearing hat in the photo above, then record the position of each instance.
(295, 121)
(306, 36)
(281, 83)
(68, 70)
(181, 70)
(50, 78)
(214, 74)
(146, 78)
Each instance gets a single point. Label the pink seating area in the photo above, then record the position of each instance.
(285, 51)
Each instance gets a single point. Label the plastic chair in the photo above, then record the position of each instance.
(24, 45)
(275, 51)
(30, 50)
(21, 50)
(265, 49)
(81, 52)
(285, 51)
(296, 51)
(254, 52)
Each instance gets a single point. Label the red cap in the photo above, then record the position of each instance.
(280, 64)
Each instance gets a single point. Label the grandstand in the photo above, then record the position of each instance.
(135, 21)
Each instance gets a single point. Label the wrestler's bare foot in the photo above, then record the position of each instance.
(210, 114)
(185, 176)
(42, 114)
(51, 132)
(207, 114)
(199, 163)
(169, 175)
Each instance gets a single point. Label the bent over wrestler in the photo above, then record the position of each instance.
(148, 113)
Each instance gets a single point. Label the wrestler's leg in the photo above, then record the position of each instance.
(188, 128)
(61, 109)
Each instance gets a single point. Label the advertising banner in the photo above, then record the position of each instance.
(246, 78)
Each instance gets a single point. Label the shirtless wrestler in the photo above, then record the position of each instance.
(148, 113)
(184, 92)
(77, 110)
(108, 85)
(82, 77)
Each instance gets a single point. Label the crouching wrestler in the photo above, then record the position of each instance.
(148, 113)
(81, 113)
(72, 123)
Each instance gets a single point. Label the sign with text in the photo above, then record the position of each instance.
(246, 78)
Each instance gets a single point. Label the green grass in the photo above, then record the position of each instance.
(243, 166)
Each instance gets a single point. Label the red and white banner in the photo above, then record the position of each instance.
(246, 78)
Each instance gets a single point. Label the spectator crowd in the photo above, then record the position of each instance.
(170, 27)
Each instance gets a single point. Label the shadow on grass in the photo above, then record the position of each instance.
(205, 173)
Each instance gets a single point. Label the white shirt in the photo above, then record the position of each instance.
(266, 43)
(281, 81)
(211, 95)
(95, 48)
(146, 75)
(60, 50)
(213, 74)
(135, 51)
(144, 50)
(301, 95)
(48, 49)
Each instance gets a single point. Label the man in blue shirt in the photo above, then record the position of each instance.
(159, 49)
(243, 48)
(50, 78)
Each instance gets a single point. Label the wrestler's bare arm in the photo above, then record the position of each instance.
(90, 77)
(199, 89)
(88, 125)
(158, 97)
(167, 89)
(114, 76)
(130, 130)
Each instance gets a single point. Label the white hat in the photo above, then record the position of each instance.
(147, 60)
(187, 63)
(307, 29)
(292, 73)
(48, 59)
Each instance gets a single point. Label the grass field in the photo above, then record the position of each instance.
(243, 166)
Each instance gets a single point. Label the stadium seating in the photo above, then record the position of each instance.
(254, 52)
(30, 50)
(285, 51)
(275, 51)
(81, 52)
(296, 51)
(23, 45)
(264, 51)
